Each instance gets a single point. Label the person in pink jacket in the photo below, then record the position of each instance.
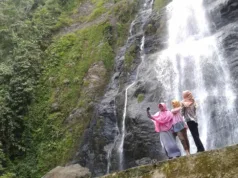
(163, 122)
(179, 125)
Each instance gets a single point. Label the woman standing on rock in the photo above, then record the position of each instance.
(163, 121)
(179, 126)
(189, 112)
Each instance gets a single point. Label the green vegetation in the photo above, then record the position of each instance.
(150, 29)
(8, 175)
(43, 77)
(124, 11)
(69, 57)
(140, 97)
(158, 4)
(130, 56)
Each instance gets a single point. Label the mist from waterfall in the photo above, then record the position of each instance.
(193, 61)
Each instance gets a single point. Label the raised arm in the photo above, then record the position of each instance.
(148, 113)
(176, 110)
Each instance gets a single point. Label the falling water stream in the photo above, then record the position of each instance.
(142, 17)
(135, 32)
(193, 61)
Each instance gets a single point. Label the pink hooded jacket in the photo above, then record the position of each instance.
(163, 120)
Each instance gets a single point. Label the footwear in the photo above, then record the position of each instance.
(200, 151)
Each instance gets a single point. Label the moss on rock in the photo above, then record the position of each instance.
(221, 163)
(140, 97)
(130, 56)
(77, 68)
(69, 57)
(158, 4)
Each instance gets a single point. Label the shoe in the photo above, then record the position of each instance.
(200, 151)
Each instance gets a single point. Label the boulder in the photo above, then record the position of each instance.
(72, 171)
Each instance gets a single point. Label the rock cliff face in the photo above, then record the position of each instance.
(224, 26)
(140, 139)
(224, 14)
(99, 150)
(82, 78)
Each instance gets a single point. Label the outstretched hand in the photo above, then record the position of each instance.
(148, 113)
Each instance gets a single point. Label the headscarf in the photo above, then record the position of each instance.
(162, 107)
(176, 104)
(163, 120)
(188, 99)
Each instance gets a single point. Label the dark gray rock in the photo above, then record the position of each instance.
(101, 139)
(221, 13)
(156, 32)
(224, 17)
(142, 143)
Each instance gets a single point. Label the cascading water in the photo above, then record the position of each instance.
(141, 18)
(111, 146)
(189, 57)
(193, 61)
(136, 30)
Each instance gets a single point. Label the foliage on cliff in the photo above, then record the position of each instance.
(42, 76)
(25, 30)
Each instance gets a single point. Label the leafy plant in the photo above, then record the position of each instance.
(42, 78)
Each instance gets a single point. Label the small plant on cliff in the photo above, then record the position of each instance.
(130, 56)
(140, 97)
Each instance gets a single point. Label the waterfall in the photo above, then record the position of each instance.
(112, 145)
(193, 61)
(141, 19)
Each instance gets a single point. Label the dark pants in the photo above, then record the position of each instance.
(193, 127)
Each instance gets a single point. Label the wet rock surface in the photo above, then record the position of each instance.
(156, 32)
(221, 13)
(224, 19)
(141, 141)
(99, 149)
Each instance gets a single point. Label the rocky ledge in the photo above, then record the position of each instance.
(220, 163)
